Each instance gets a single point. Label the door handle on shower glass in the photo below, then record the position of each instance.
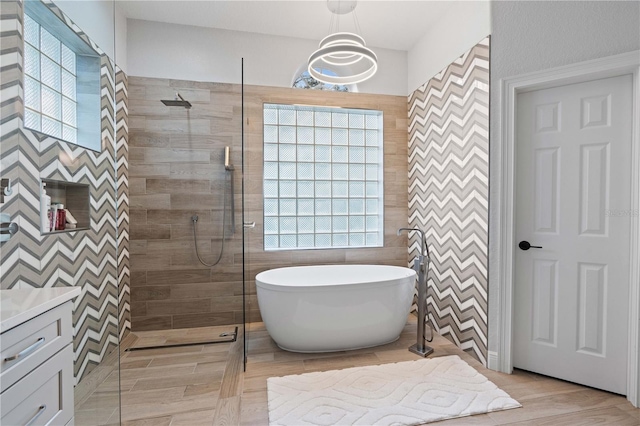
(249, 225)
(524, 245)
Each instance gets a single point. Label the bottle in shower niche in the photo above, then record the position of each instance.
(53, 216)
(61, 218)
(45, 207)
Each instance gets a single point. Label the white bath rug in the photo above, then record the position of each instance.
(404, 393)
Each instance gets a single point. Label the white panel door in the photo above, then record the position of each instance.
(573, 180)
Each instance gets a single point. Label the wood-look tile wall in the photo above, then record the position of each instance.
(176, 170)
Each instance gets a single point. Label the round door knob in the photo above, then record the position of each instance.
(524, 245)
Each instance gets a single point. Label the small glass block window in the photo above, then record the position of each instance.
(50, 84)
(322, 177)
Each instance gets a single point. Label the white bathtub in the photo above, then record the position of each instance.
(335, 307)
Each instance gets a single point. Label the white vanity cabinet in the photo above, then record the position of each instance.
(36, 355)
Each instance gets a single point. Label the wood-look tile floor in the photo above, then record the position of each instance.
(204, 384)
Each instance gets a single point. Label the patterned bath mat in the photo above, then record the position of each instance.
(404, 393)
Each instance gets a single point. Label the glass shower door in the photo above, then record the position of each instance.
(247, 229)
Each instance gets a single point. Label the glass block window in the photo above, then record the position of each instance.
(49, 84)
(323, 171)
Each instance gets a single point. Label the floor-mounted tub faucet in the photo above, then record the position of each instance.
(421, 266)
(424, 250)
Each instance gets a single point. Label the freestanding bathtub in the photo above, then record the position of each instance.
(335, 307)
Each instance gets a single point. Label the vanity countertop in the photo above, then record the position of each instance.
(20, 305)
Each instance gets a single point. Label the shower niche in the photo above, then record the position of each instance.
(64, 207)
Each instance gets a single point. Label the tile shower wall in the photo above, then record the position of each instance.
(176, 161)
(448, 194)
(85, 258)
(176, 170)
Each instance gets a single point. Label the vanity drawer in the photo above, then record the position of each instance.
(45, 394)
(31, 343)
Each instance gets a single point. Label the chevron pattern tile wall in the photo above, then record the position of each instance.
(87, 259)
(448, 194)
(12, 152)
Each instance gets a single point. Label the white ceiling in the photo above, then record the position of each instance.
(391, 24)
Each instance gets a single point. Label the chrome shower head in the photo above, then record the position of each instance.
(179, 101)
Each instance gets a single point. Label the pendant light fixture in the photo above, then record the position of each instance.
(343, 57)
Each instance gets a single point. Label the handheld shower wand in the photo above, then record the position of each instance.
(421, 266)
(227, 159)
(228, 167)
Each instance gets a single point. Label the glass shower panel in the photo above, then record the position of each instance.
(248, 227)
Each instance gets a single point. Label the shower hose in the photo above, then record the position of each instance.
(194, 220)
